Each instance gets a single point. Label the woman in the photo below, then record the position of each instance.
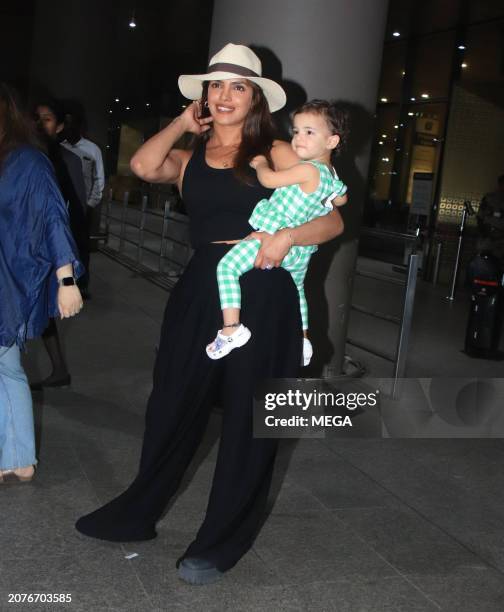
(220, 190)
(50, 119)
(37, 253)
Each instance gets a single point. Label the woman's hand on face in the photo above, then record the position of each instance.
(259, 160)
(69, 301)
(273, 249)
(192, 120)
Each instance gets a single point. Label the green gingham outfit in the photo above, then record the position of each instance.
(288, 207)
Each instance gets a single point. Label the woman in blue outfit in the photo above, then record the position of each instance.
(38, 265)
(220, 191)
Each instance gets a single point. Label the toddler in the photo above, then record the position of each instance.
(303, 192)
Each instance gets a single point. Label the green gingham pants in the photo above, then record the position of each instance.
(240, 259)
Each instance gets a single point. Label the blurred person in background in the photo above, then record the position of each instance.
(50, 118)
(92, 167)
(490, 220)
(38, 268)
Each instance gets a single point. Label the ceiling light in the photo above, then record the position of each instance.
(425, 95)
(463, 65)
(117, 99)
(396, 34)
(383, 99)
(412, 99)
(384, 135)
(462, 47)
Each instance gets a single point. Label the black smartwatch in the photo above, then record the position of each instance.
(67, 281)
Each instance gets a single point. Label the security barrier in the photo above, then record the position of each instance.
(403, 322)
(152, 242)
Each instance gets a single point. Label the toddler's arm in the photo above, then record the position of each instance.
(340, 200)
(299, 174)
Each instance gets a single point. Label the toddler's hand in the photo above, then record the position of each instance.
(340, 200)
(258, 160)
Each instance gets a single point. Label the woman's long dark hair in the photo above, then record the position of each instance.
(16, 128)
(258, 133)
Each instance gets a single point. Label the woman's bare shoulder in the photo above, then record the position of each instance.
(281, 145)
(282, 155)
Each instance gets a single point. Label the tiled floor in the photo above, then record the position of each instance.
(362, 525)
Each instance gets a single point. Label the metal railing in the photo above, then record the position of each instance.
(437, 262)
(404, 321)
(381, 233)
(159, 242)
(372, 243)
(468, 211)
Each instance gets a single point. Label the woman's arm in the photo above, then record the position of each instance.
(318, 231)
(275, 247)
(156, 161)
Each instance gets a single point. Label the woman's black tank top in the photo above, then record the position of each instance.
(218, 204)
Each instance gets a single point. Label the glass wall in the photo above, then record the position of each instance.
(441, 61)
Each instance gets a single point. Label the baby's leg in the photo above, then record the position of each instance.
(237, 261)
(296, 263)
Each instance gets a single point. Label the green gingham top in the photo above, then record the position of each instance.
(290, 206)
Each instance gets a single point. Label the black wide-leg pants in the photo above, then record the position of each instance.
(185, 385)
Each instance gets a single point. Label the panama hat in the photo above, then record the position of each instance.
(232, 61)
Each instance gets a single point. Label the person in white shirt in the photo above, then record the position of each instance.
(92, 164)
(92, 167)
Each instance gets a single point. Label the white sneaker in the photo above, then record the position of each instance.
(307, 351)
(223, 345)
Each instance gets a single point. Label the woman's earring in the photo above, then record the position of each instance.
(206, 104)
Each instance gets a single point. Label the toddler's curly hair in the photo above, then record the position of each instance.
(337, 117)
